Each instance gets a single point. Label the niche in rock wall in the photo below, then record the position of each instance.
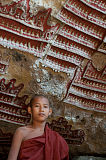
(12, 107)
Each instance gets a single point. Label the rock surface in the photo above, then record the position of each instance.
(88, 158)
(28, 69)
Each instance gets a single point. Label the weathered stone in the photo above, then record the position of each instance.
(28, 69)
(88, 158)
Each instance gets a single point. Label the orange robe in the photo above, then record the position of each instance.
(49, 146)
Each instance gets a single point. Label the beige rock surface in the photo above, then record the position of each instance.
(27, 69)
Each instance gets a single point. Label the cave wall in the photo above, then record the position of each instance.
(55, 55)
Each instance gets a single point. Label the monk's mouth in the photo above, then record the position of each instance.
(41, 114)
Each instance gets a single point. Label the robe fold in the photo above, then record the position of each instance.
(49, 146)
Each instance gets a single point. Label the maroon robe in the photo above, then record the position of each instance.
(49, 146)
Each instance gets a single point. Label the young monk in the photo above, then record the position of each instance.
(37, 141)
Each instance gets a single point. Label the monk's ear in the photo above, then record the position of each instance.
(50, 111)
(29, 110)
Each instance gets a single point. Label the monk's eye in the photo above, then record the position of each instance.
(36, 106)
(46, 107)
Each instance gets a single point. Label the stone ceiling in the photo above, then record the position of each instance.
(59, 47)
(69, 39)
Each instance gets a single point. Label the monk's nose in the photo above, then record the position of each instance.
(41, 108)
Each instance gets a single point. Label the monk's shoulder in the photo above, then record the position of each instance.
(60, 142)
(59, 138)
(21, 130)
(56, 134)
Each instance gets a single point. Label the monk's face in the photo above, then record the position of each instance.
(40, 109)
